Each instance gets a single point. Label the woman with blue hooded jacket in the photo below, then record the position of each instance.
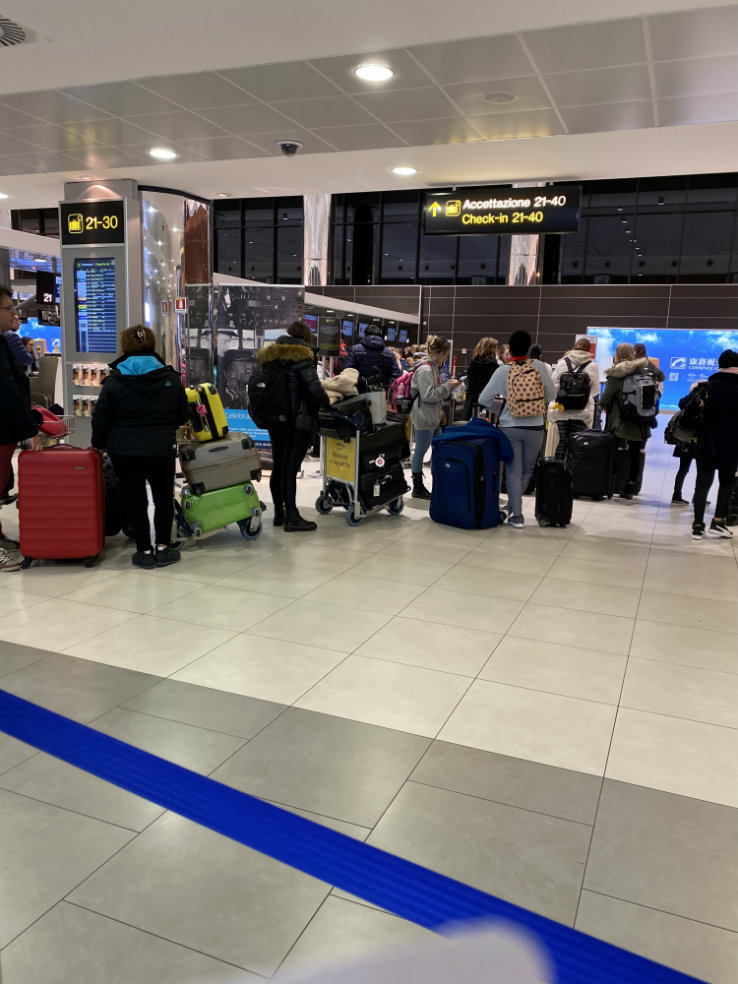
(140, 407)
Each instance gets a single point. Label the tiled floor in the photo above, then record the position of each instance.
(549, 715)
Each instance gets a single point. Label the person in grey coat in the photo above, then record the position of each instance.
(428, 394)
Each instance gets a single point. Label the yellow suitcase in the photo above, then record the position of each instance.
(207, 415)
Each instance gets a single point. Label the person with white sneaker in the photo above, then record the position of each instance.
(16, 421)
(717, 447)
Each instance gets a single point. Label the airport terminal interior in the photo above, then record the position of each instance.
(546, 714)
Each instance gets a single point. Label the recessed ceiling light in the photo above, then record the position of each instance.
(373, 73)
(499, 98)
(224, 194)
(85, 177)
(162, 154)
(3, 195)
(403, 170)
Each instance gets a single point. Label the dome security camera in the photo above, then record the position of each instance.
(289, 147)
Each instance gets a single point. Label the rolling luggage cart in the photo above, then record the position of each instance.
(350, 481)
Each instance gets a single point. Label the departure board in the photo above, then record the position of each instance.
(94, 304)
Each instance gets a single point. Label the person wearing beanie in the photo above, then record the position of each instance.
(371, 356)
(717, 447)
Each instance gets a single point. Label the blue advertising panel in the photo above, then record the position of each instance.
(239, 421)
(684, 356)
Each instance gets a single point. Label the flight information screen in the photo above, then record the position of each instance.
(94, 304)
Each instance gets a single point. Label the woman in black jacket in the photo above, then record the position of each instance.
(481, 369)
(136, 417)
(717, 446)
(290, 441)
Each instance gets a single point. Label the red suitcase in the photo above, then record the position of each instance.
(61, 504)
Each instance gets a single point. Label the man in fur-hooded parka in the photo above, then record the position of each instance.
(296, 357)
(626, 430)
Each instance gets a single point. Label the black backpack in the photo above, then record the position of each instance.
(686, 425)
(574, 387)
(270, 401)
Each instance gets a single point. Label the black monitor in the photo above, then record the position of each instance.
(311, 320)
(347, 328)
(402, 336)
(95, 304)
(391, 333)
(363, 325)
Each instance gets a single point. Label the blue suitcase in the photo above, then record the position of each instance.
(465, 465)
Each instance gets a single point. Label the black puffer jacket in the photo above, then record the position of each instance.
(139, 415)
(297, 359)
(16, 422)
(718, 440)
(371, 356)
(479, 374)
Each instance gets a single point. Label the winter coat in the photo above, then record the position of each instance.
(498, 385)
(427, 408)
(140, 407)
(577, 358)
(307, 393)
(478, 375)
(617, 424)
(16, 422)
(19, 350)
(370, 357)
(718, 439)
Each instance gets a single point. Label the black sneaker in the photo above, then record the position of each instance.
(166, 557)
(678, 501)
(144, 559)
(299, 525)
(698, 531)
(718, 527)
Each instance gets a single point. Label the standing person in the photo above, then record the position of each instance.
(483, 364)
(19, 350)
(16, 422)
(528, 388)
(717, 446)
(293, 355)
(140, 407)
(371, 356)
(634, 432)
(503, 354)
(428, 393)
(578, 360)
(28, 344)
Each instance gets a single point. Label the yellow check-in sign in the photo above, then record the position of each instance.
(340, 459)
(453, 207)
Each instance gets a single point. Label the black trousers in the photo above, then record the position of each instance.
(705, 477)
(685, 462)
(566, 429)
(134, 472)
(636, 451)
(288, 450)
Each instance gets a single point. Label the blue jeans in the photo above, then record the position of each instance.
(526, 444)
(422, 443)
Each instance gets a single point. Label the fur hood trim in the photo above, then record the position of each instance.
(280, 351)
(623, 369)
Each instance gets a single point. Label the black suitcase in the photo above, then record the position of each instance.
(554, 496)
(387, 445)
(377, 488)
(592, 463)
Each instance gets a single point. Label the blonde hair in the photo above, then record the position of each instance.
(437, 345)
(137, 340)
(486, 348)
(623, 353)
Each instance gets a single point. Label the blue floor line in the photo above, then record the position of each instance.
(410, 891)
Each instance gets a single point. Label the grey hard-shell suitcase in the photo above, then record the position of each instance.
(231, 460)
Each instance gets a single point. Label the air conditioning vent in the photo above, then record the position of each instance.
(12, 33)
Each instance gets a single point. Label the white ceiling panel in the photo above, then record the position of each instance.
(311, 144)
(475, 59)
(243, 120)
(696, 77)
(111, 132)
(49, 161)
(197, 91)
(359, 137)
(599, 85)
(178, 125)
(408, 104)
(121, 99)
(51, 107)
(52, 138)
(10, 166)
(694, 33)
(326, 111)
(98, 158)
(528, 93)
(221, 148)
(519, 126)
(340, 71)
(285, 81)
(564, 49)
(613, 116)
(427, 133)
(18, 145)
(688, 109)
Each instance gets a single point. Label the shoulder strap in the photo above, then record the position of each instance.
(569, 364)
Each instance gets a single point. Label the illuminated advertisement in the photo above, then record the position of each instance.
(684, 356)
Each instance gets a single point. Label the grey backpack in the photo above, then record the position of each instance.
(640, 397)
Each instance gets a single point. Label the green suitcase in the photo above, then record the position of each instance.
(212, 510)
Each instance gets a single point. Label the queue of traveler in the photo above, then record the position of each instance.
(142, 404)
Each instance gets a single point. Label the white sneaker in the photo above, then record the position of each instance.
(6, 564)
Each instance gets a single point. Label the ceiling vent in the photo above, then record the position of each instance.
(12, 33)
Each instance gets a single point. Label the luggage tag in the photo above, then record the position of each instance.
(379, 462)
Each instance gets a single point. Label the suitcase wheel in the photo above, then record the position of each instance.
(198, 488)
(322, 505)
(90, 561)
(351, 519)
(396, 506)
(26, 563)
(248, 530)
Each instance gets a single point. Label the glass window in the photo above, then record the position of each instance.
(258, 251)
(706, 245)
(228, 251)
(478, 260)
(437, 260)
(399, 253)
(258, 211)
(609, 248)
(289, 253)
(30, 221)
(227, 213)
